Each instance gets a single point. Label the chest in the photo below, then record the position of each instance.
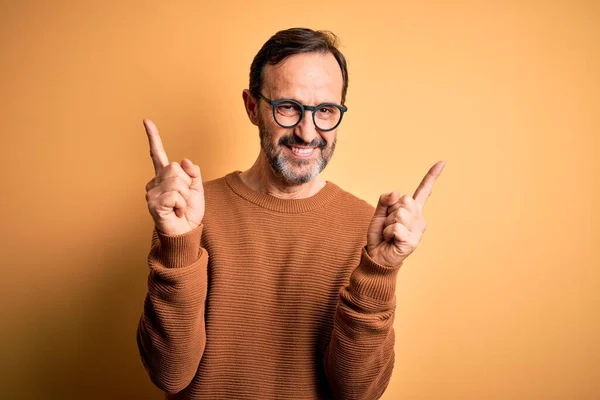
(286, 260)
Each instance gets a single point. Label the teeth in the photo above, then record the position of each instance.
(301, 151)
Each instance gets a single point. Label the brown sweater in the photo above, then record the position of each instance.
(269, 299)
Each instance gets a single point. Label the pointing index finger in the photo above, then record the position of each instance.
(426, 186)
(157, 151)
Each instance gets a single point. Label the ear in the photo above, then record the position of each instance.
(251, 104)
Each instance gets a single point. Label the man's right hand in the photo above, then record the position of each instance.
(175, 195)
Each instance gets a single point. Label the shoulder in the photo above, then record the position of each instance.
(215, 184)
(351, 203)
(216, 187)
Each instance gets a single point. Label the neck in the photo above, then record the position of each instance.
(261, 178)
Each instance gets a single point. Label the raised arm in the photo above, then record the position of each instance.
(171, 334)
(360, 356)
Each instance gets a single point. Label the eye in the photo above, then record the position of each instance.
(328, 110)
(288, 108)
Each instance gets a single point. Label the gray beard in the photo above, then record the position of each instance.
(286, 169)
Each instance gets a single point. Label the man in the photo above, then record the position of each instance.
(272, 283)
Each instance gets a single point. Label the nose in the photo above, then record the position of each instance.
(306, 129)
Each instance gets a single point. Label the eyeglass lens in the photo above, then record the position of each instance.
(288, 114)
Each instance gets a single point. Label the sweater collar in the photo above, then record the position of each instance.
(323, 196)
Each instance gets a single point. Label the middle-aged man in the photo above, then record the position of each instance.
(272, 283)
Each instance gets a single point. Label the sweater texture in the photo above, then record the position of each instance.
(269, 299)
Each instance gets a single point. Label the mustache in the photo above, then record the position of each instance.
(293, 140)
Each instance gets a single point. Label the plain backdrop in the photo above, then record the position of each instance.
(500, 301)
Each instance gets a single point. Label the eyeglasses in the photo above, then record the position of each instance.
(288, 113)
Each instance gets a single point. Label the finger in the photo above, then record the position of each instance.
(401, 216)
(174, 184)
(194, 172)
(396, 232)
(414, 223)
(157, 151)
(172, 200)
(406, 202)
(425, 188)
(173, 170)
(189, 168)
(150, 185)
(386, 200)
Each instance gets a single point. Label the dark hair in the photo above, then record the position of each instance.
(295, 41)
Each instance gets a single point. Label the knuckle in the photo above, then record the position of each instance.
(165, 185)
(404, 213)
(398, 230)
(161, 176)
(179, 181)
(152, 207)
(150, 184)
(172, 167)
(168, 182)
(394, 207)
(410, 202)
(165, 196)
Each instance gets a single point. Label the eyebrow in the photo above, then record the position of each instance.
(303, 103)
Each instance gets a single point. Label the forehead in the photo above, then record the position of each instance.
(308, 77)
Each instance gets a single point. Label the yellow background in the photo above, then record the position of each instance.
(501, 300)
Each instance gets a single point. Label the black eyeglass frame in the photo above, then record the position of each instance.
(275, 103)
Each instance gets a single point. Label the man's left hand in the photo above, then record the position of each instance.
(398, 225)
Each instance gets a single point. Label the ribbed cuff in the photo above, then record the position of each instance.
(178, 250)
(374, 280)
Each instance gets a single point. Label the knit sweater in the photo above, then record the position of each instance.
(269, 299)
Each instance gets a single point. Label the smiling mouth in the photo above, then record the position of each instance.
(302, 151)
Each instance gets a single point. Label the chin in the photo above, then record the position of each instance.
(296, 173)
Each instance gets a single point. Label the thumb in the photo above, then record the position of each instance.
(193, 171)
(386, 200)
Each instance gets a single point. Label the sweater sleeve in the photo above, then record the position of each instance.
(360, 356)
(171, 334)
